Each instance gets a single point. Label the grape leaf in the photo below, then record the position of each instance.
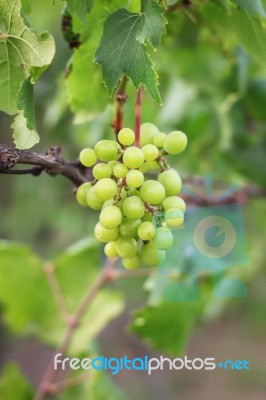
(90, 97)
(24, 137)
(25, 102)
(167, 326)
(28, 302)
(239, 26)
(122, 48)
(80, 7)
(21, 51)
(13, 385)
(254, 7)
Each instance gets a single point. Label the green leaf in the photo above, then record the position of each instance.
(239, 27)
(254, 7)
(24, 138)
(167, 326)
(21, 50)
(80, 7)
(25, 102)
(24, 292)
(29, 304)
(76, 270)
(89, 98)
(13, 385)
(122, 48)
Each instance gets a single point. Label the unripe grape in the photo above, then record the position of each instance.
(93, 200)
(113, 163)
(120, 170)
(150, 255)
(152, 191)
(101, 171)
(81, 194)
(110, 217)
(110, 249)
(146, 230)
(106, 189)
(171, 181)
(150, 152)
(87, 157)
(105, 235)
(129, 228)
(126, 136)
(133, 207)
(174, 202)
(163, 238)
(133, 157)
(174, 217)
(147, 132)
(149, 166)
(126, 247)
(131, 263)
(107, 150)
(175, 142)
(159, 139)
(134, 178)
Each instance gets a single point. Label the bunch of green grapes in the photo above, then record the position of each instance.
(137, 212)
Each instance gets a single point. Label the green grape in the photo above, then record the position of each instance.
(81, 194)
(147, 132)
(149, 166)
(159, 139)
(133, 157)
(150, 152)
(106, 189)
(105, 235)
(171, 182)
(93, 200)
(163, 238)
(150, 255)
(107, 150)
(174, 202)
(129, 228)
(152, 191)
(174, 217)
(146, 230)
(101, 171)
(120, 170)
(110, 217)
(112, 164)
(126, 247)
(175, 142)
(108, 203)
(87, 157)
(126, 136)
(135, 178)
(133, 207)
(131, 263)
(110, 249)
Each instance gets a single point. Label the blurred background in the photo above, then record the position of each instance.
(214, 91)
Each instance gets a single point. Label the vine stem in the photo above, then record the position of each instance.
(121, 99)
(138, 117)
(51, 162)
(106, 275)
